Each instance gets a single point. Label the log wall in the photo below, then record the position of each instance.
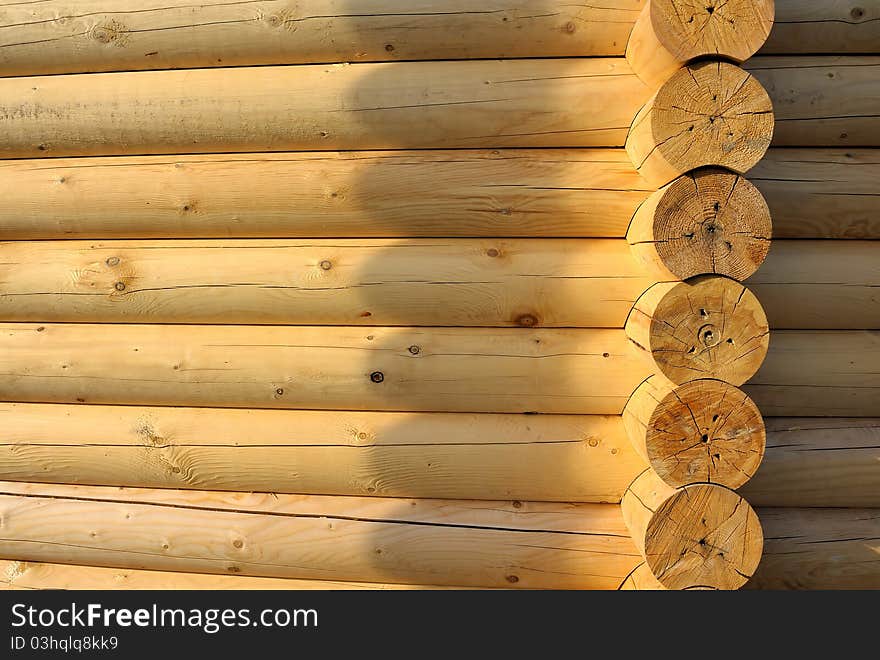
(411, 278)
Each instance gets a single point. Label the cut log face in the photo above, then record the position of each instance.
(698, 536)
(707, 327)
(670, 33)
(702, 431)
(710, 113)
(709, 221)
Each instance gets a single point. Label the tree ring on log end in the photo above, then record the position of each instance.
(708, 113)
(709, 221)
(727, 28)
(703, 535)
(705, 431)
(706, 327)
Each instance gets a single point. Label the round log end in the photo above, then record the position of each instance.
(708, 113)
(703, 536)
(705, 431)
(708, 327)
(735, 29)
(710, 221)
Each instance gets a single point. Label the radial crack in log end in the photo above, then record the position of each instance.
(708, 221)
(703, 431)
(709, 113)
(698, 536)
(706, 327)
(669, 33)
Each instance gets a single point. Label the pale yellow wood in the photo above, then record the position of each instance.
(819, 463)
(703, 431)
(54, 36)
(460, 543)
(823, 373)
(571, 458)
(427, 282)
(821, 285)
(822, 101)
(586, 192)
(641, 579)
(494, 103)
(23, 575)
(701, 536)
(707, 113)
(671, 33)
(819, 549)
(589, 371)
(829, 26)
(821, 193)
(706, 327)
(710, 220)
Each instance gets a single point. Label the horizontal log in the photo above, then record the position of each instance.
(821, 193)
(818, 463)
(22, 575)
(531, 193)
(822, 101)
(570, 458)
(569, 371)
(396, 369)
(457, 543)
(528, 103)
(807, 26)
(160, 34)
(820, 285)
(819, 549)
(823, 373)
(451, 282)
(815, 193)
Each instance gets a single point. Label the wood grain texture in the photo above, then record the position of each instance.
(28, 576)
(821, 285)
(394, 369)
(457, 543)
(822, 373)
(819, 549)
(531, 193)
(478, 103)
(818, 463)
(571, 458)
(821, 193)
(427, 282)
(822, 101)
(96, 35)
(830, 26)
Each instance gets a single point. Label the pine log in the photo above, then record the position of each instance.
(349, 368)
(822, 101)
(527, 103)
(457, 543)
(818, 463)
(698, 536)
(707, 221)
(703, 431)
(22, 575)
(821, 193)
(823, 373)
(815, 193)
(170, 34)
(570, 458)
(512, 192)
(831, 285)
(819, 549)
(838, 26)
(670, 33)
(709, 113)
(423, 282)
(707, 327)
